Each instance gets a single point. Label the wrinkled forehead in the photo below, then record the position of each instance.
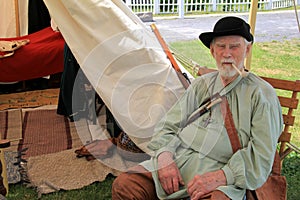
(229, 39)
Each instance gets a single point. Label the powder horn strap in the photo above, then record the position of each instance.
(229, 125)
(233, 135)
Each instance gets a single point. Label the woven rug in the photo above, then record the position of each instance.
(41, 131)
(51, 140)
(29, 99)
(45, 132)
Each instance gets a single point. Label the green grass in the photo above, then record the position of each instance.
(95, 191)
(272, 59)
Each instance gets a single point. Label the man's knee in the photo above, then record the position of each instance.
(124, 186)
(133, 186)
(120, 183)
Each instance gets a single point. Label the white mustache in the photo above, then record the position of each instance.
(227, 61)
(241, 72)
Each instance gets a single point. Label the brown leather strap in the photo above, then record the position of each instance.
(233, 135)
(229, 125)
(276, 168)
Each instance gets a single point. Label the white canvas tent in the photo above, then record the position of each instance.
(122, 59)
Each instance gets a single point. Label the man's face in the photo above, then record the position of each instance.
(228, 50)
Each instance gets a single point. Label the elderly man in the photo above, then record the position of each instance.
(194, 156)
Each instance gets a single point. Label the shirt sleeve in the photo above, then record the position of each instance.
(249, 167)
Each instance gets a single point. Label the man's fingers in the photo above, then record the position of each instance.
(99, 146)
(180, 179)
(190, 187)
(91, 145)
(171, 185)
(196, 196)
(175, 184)
(169, 174)
(168, 186)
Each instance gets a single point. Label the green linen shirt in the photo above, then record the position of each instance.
(204, 145)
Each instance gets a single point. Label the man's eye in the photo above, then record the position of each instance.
(234, 46)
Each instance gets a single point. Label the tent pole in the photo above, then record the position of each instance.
(252, 21)
(17, 18)
(296, 14)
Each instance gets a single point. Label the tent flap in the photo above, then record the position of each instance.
(123, 61)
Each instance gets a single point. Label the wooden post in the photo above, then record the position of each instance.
(295, 7)
(17, 18)
(252, 21)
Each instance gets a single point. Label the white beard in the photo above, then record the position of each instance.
(227, 71)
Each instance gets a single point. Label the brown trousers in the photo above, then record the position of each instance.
(134, 186)
(140, 186)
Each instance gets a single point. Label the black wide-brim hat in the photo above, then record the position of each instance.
(227, 26)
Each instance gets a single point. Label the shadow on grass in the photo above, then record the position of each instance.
(291, 169)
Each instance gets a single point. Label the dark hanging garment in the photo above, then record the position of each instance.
(71, 101)
(38, 16)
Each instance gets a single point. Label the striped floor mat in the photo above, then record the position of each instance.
(41, 131)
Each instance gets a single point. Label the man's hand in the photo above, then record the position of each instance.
(96, 149)
(168, 173)
(203, 184)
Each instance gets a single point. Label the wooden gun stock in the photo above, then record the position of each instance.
(165, 48)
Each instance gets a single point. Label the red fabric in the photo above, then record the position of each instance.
(42, 56)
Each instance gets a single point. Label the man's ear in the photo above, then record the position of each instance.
(248, 49)
(212, 50)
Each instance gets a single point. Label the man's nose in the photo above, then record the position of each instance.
(227, 52)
